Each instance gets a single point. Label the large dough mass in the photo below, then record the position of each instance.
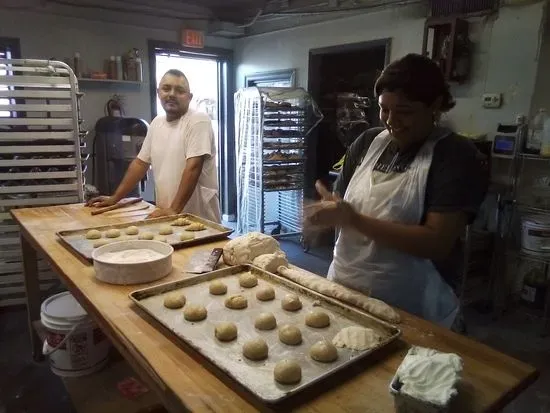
(244, 249)
(255, 349)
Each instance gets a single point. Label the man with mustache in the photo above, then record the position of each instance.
(180, 147)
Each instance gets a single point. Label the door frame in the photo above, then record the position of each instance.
(313, 87)
(226, 138)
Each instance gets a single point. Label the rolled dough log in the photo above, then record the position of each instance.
(373, 306)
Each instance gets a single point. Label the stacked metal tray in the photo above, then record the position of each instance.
(40, 155)
(257, 376)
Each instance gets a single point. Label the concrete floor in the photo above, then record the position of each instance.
(28, 387)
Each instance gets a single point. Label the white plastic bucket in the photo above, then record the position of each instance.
(535, 235)
(75, 345)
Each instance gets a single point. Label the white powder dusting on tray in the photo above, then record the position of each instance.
(132, 256)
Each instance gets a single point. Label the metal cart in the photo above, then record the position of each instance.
(271, 128)
(40, 156)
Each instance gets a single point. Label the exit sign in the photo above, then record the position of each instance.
(193, 38)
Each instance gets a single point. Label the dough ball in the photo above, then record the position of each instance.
(255, 349)
(290, 335)
(181, 222)
(267, 293)
(287, 372)
(113, 233)
(196, 226)
(323, 351)
(186, 236)
(174, 300)
(217, 287)
(248, 280)
(166, 230)
(132, 230)
(146, 235)
(93, 234)
(236, 302)
(265, 321)
(317, 319)
(160, 238)
(291, 302)
(101, 242)
(226, 331)
(194, 312)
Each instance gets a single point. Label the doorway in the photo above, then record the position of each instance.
(209, 73)
(341, 80)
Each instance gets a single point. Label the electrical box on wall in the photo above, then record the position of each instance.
(492, 100)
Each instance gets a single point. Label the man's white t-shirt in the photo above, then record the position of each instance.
(167, 147)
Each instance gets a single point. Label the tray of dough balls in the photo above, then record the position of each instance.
(270, 334)
(179, 231)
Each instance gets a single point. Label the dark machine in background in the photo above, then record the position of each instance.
(117, 142)
(341, 81)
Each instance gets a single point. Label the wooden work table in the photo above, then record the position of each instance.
(185, 381)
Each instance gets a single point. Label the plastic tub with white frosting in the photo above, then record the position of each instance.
(426, 381)
(132, 262)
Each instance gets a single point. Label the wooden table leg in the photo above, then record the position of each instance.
(32, 289)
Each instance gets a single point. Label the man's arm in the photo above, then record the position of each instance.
(135, 173)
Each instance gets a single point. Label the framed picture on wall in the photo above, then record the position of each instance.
(276, 78)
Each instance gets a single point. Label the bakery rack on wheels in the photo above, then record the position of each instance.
(271, 125)
(40, 157)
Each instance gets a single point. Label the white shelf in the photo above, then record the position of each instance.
(109, 81)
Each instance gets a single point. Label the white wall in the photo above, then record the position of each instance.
(505, 59)
(45, 36)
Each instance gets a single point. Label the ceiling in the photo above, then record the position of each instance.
(248, 14)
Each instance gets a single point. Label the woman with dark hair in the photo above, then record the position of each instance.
(408, 193)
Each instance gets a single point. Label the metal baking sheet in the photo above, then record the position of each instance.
(77, 242)
(258, 376)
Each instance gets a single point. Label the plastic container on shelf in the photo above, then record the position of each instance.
(536, 132)
(119, 74)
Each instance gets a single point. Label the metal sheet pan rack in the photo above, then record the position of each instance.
(271, 128)
(40, 156)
